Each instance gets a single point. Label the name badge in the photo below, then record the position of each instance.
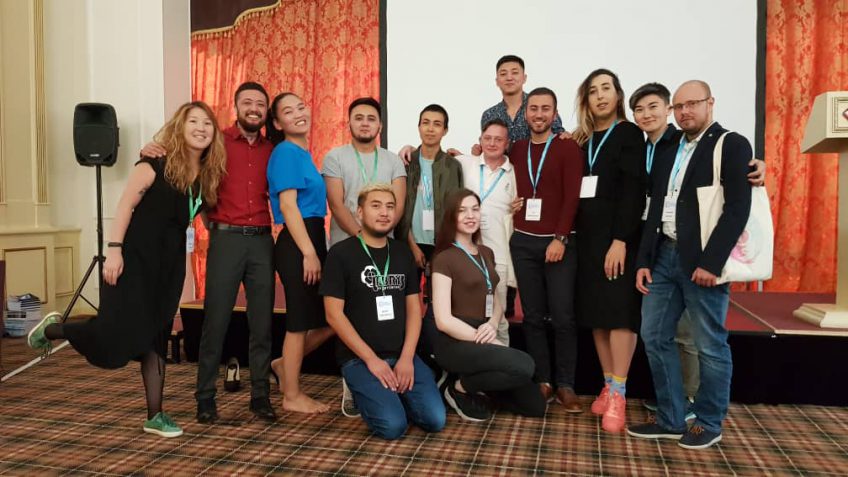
(190, 239)
(385, 308)
(669, 208)
(588, 187)
(484, 221)
(490, 305)
(428, 219)
(647, 207)
(533, 210)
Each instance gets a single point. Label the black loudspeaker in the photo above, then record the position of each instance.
(95, 134)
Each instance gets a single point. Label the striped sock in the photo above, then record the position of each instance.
(619, 385)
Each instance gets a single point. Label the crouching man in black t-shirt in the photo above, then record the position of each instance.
(370, 291)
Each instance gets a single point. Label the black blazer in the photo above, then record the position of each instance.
(736, 153)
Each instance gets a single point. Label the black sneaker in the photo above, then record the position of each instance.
(261, 408)
(466, 405)
(650, 404)
(207, 412)
(652, 430)
(699, 438)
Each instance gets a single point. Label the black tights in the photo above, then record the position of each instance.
(152, 371)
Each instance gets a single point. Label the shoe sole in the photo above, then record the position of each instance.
(569, 411)
(674, 437)
(163, 433)
(37, 326)
(713, 442)
(346, 394)
(456, 408)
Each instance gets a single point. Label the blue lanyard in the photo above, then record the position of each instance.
(488, 191)
(593, 155)
(483, 268)
(649, 155)
(678, 162)
(535, 182)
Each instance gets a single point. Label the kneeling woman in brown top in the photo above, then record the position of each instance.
(467, 314)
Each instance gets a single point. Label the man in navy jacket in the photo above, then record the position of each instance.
(675, 272)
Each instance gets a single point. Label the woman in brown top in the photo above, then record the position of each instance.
(467, 314)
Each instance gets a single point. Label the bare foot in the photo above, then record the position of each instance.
(277, 369)
(305, 404)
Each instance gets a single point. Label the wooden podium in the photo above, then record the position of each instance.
(827, 131)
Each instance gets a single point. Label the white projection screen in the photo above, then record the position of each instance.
(444, 51)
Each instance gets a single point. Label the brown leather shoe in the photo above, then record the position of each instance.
(547, 391)
(569, 401)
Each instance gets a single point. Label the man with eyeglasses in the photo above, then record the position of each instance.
(675, 273)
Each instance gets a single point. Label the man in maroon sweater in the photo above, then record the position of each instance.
(548, 173)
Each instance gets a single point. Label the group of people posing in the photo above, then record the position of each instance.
(597, 227)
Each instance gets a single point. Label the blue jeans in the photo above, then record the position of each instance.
(673, 290)
(388, 413)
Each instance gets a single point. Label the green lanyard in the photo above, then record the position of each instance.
(382, 279)
(194, 204)
(362, 167)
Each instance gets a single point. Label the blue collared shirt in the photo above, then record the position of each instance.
(518, 129)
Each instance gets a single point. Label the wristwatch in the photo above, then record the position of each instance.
(115, 244)
(562, 238)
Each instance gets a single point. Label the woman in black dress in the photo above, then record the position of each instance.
(145, 259)
(609, 227)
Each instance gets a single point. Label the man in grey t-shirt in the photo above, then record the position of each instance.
(349, 168)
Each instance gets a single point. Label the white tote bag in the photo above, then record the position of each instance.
(752, 257)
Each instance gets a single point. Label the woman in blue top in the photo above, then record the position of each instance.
(299, 201)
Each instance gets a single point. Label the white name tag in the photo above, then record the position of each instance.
(190, 239)
(429, 219)
(385, 308)
(533, 210)
(484, 221)
(588, 187)
(490, 305)
(647, 207)
(669, 208)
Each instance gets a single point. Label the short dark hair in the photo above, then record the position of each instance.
(647, 90)
(542, 91)
(495, 122)
(435, 108)
(509, 59)
(250, 85)
(369, 101)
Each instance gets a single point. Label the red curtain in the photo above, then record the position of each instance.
(326, 51)
(806, 54)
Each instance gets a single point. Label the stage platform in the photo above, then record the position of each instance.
(777, 358)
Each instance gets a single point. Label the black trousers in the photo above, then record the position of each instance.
(505, 374)
(233, 259)
(547, 289)
(428, 255)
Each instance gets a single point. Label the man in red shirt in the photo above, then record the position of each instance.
(548, 174)
(241, 250)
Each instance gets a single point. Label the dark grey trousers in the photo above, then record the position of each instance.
(233, 259)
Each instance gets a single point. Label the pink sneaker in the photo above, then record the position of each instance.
(600, 404)
(614, 418)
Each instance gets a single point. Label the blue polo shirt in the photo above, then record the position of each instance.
(291, 167)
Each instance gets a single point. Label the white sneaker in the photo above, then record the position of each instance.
(348, 405)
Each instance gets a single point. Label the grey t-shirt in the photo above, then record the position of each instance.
(341, 163)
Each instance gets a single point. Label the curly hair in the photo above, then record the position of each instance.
(213, 160)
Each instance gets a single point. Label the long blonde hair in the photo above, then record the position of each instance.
(585, 119)
(213, 160)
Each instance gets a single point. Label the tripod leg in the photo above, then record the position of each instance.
(78, 292)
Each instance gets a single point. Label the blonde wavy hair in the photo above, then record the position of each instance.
(213, 160)
(585, 119)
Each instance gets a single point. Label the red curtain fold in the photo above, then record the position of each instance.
(326, 51)
(806, 54)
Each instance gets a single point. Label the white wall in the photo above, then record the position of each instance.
(444, 51)
(108, 51)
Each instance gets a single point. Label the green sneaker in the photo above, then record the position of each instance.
(162, 425)
(36, 339)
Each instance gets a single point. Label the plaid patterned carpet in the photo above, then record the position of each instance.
(64, 417)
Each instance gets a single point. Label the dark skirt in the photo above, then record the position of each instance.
(304, 305)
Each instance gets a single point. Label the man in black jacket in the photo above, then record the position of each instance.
(675, 272)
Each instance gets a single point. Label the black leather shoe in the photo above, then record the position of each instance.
(261, 407)
(207, 412)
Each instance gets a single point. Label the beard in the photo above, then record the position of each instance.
(249, 127)
(376, 233)
(363, 139)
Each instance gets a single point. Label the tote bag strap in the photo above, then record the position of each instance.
(717, 159)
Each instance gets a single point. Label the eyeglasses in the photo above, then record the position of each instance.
(688, 104)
